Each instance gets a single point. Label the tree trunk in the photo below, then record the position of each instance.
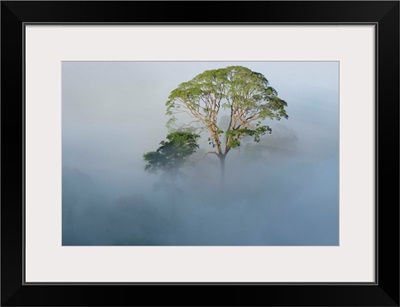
(222, 162)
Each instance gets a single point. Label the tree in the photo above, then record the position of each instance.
(171, 155)
(243, 94)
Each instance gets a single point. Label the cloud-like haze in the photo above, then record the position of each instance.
(281, 191)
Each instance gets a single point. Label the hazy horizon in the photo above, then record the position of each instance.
(283, 190)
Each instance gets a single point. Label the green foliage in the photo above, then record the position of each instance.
(171, 123)
(237, 134)
(244, 93)
(234, 86)
(171, 154)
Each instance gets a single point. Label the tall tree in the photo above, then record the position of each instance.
(244, 95)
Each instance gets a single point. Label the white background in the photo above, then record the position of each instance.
(48, 261)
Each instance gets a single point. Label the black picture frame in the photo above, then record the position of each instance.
(383, 14)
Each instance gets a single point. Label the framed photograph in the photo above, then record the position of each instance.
(246, 153)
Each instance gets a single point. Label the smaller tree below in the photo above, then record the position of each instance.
(172, 154)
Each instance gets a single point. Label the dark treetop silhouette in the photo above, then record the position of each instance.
(171, 155)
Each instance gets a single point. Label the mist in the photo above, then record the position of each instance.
(283, 190)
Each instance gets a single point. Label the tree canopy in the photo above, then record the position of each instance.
(243, 94)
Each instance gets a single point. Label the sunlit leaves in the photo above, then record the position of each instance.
(246, 94)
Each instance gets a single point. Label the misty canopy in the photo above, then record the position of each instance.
(243, 94)
(172, 154)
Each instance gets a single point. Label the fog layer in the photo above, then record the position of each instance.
(283, 190)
